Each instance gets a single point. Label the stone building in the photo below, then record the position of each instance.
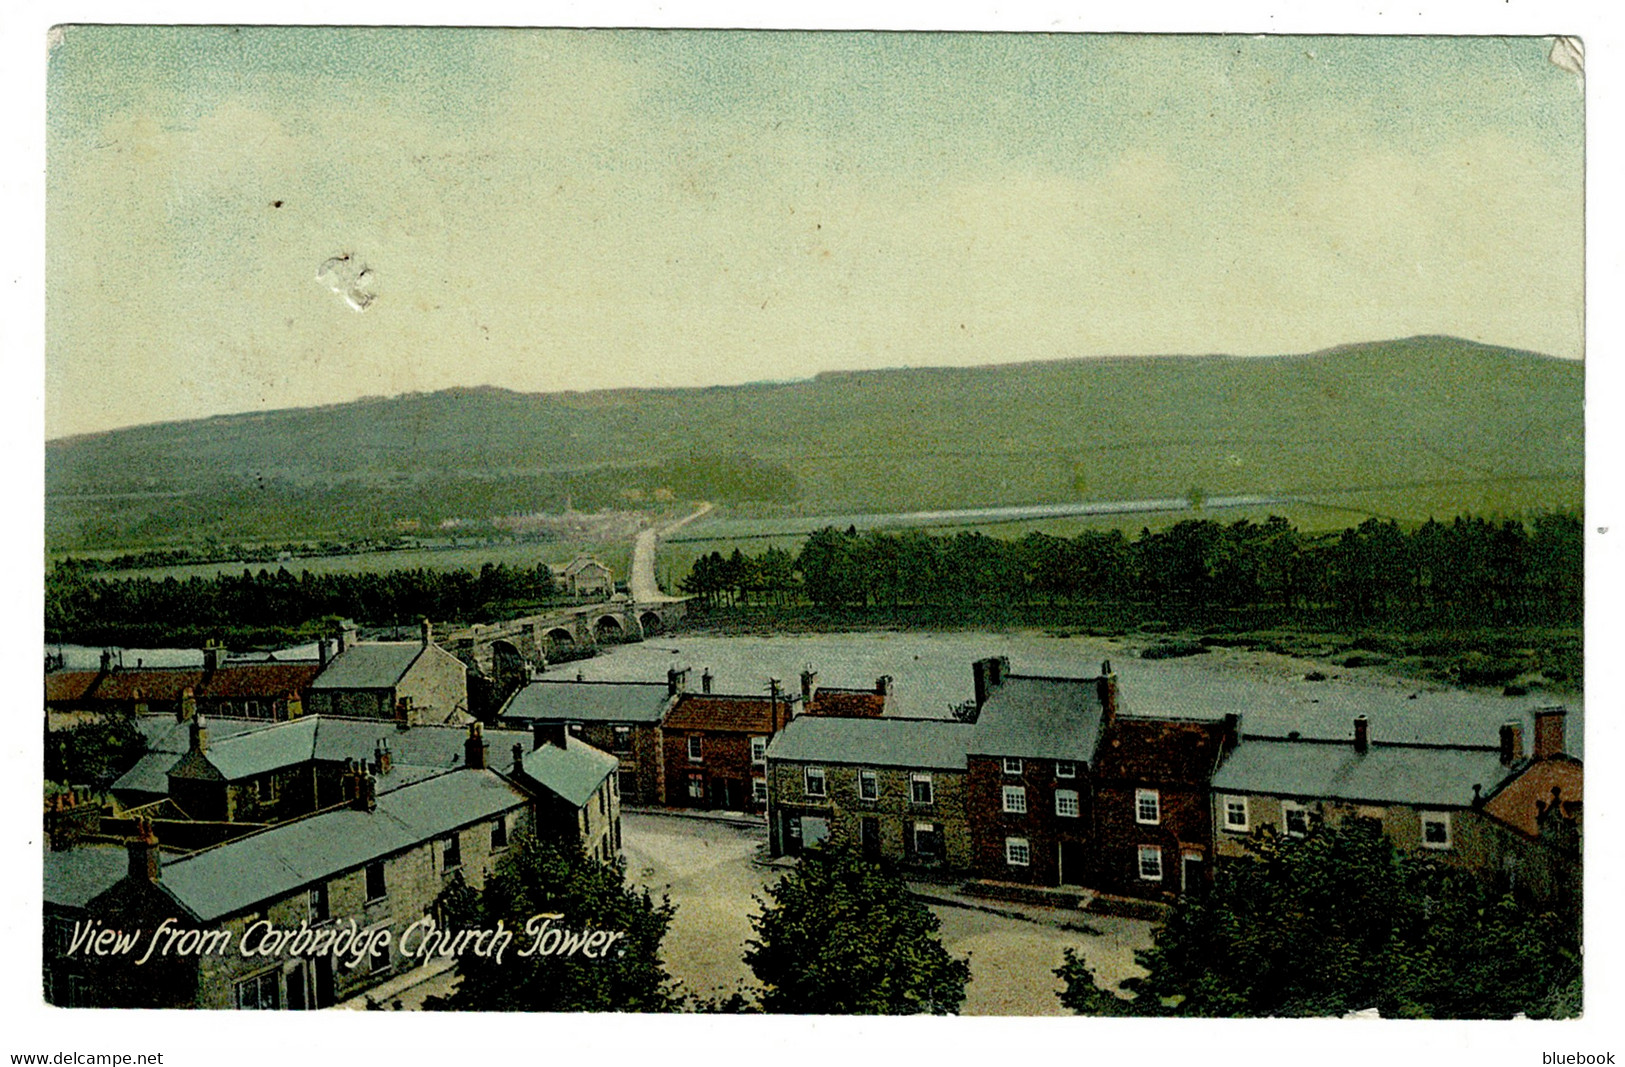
(623, 718)
(413, 680)
(893, 789)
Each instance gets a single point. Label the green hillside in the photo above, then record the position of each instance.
(1404, 428)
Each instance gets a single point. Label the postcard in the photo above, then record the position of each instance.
(813, 523)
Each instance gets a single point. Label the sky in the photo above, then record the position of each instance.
(261, 218)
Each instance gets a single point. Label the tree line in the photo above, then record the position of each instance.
(79, 606)
(1467, 571)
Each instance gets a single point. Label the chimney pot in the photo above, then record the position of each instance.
(676, 680)
(705, 681)
(1362, 734)
(427, 628)
(200, 734)
(518, 755)
(143, 852)
(809, 688)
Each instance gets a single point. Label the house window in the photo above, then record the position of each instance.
(623, 738)
(1150, 863)
(1147, 807)
(376, 889)
(253, 709)
(758, 751)
(696, 787)
(319, 909)
(259, 993)
(1435, 829)
(1015, 799)
(499, 834)
(919, 786)
(868, 785)
(815, 782)
(758, 790)
(603, 799)
(1294, 819)
(927, 841)
(1066, 803)
(1017, 853)
(694, 750)
(1012, 765)
(1235, 813)
(1066, 769)
(451, 852)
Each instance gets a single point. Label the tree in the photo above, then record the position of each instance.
(839, 935)
(94, 753)
(540, 877)
(1339, 921)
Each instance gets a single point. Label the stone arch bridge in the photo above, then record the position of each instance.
(500, 648)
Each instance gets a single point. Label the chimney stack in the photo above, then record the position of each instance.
(382, 760)
(186, 709)
(549, 733)
(518, 756)
(214, 657)
(143, 852)
(988, 674)
(883, 685)
(107, 660)
(427, 629)
(348, 636)
(1549, 739)
(200, 734)
(809, 688)
(1106, 691)
(1511, 743)
(366, 793)
(403, 713)
(705, 680)
(324, 651)
(1362, 734)
(676, 680)
(474, 748)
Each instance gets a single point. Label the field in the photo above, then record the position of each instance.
(1407, 429)
(617, 555)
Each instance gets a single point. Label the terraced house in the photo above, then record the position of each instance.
(377, 861)
(893, 788)
(417, 681)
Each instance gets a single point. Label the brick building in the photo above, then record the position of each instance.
(714, 746)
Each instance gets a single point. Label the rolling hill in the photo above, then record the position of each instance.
(1425, 425)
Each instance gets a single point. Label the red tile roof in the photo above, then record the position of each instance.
(265, 680)
(68, 685)
(848, 703)
(158, 683)
(741, 714)
(1159, 750)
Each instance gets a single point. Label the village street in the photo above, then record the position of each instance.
(711, 870)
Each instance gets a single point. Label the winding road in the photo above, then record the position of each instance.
(642, 584)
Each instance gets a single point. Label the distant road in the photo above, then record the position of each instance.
(981, 516)
(644, 588)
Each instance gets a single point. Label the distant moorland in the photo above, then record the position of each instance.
(1402, 429)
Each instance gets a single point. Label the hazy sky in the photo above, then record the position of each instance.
(587, 209)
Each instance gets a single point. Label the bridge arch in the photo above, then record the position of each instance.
(651, 622)
(608, 628)
(559, 637)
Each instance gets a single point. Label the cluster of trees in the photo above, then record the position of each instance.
(1339, 921)
(85, 608)
(1469, 570)
(94, 753)
(836, 935)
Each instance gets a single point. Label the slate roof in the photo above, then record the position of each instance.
(258, 751)
(737, 714)
(149, 775)
(420, 746)
(371, 665)
(240, 874)
(1040, 718)
(574, 773)
(1387, 774)
(73, 876)
(938, 744)
(572, 701)
(164, 734)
